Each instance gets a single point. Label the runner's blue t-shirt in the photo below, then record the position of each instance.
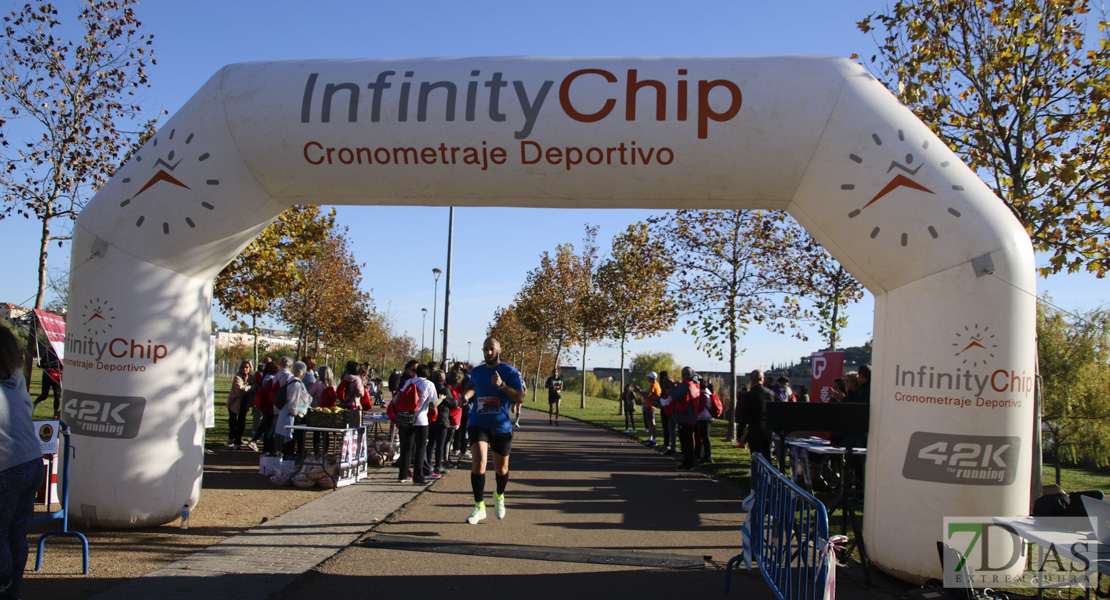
(489, 409)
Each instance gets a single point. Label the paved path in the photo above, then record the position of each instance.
(591, 514)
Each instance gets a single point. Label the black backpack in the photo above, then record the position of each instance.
(281, 398)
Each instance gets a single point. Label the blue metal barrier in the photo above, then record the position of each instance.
(789, 536)
(63, 514)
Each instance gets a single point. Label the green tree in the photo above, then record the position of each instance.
(734, 268)
(631, 288)
(271, 266)
(69, 104)
(1022, 94)
(652, 362)
(1074, 352)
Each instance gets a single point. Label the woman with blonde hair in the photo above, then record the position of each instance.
(20, 465)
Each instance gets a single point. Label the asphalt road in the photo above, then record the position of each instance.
(591, 514)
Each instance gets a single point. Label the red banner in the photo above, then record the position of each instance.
(827, 368)
(50, 334)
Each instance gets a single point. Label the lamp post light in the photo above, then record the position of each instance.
(423, 328)
(436, 272)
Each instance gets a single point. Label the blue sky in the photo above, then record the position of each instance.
(193, 40)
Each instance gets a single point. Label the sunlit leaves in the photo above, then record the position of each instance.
(327, 302)
(273, 264)
(1018, 88)
(551, 302)
(1073, 355)
(632, 287)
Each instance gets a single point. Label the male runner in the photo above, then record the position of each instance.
(554, 385)
(494, 386)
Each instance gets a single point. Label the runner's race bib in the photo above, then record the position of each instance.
(489, 405)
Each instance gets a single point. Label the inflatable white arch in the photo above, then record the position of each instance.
(951, 412)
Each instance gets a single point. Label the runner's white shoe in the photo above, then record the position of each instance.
(499, 505)
(478, 514)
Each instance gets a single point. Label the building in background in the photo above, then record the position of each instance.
(14, 314)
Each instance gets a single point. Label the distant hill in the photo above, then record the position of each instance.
(802, 370)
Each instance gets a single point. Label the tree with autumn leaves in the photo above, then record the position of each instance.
(1020, 90)
(301, 270)
(724, 270)
(631, 289)
(524, 349)
(70, 110)
(737, 268)
(328, 305)
(549, 301)
(559, 301)
(272, 266)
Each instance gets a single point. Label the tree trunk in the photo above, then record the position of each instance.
(582, 402)
(536, 387)
(833, 329)
(254, 332)
(620, 396)
(302, 341)
(44, 247)
(40, 297)
(731, 433)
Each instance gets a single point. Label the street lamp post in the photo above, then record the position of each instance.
(423, 328)
(447, 282)
(436, 272)
(468, 353)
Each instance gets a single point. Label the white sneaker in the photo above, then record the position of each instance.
(476, 516)
(499, 506)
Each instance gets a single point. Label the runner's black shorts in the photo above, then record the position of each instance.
(500, 443)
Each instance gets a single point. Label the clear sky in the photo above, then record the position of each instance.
(192, 40)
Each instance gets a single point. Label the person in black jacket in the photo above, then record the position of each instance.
(436, 458)
(753, 420)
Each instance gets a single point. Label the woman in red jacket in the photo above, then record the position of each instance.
(264, 402)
